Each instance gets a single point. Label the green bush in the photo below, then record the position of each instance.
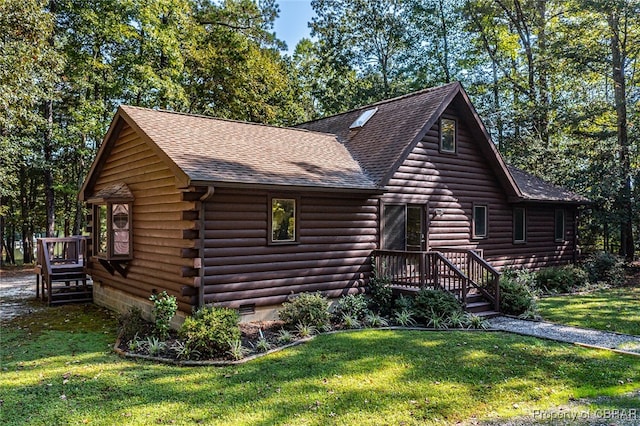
(516, 296)
(210, 331)
(308, 309)
(352, 305)
(164, 309)
(430, 305)
(604, 267)
(381, 295)
(561, 279)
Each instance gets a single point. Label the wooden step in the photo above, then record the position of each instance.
(478, 307)
(487, 314)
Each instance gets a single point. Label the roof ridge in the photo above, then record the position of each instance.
(386, 101)
(228, 120)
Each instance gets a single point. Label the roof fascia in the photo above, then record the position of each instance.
(299, 188)
(182, 178)
(502, 166)
(120, 119)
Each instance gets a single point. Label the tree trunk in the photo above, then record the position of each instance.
(47, 173)
(618, 57)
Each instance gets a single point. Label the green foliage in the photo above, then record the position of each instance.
(476, 322)
(561, 279)
(349, 321)
(44, 359)
(236, 350)
(381, 295)
(372, 319)
(305, 330)
(164, 309)
(262, 345)
(404, 318)
(606, 268)
(431, 306)
(516, 296)
(210, 330)
(154, 345)
(310, 309)
(284, 337)
(353, 305)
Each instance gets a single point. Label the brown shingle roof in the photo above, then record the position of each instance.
(117, 191)
(535, 189)
(381, 143)
(215, 150)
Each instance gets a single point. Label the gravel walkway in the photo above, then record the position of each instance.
(17, 295)
(565, 333)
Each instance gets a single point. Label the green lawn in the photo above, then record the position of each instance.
(57, 369)
(616, 309)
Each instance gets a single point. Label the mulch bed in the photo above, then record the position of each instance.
(250, 333)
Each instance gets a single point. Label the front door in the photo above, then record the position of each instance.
(403, 227)
(415, 228)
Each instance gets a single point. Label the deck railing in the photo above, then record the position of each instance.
(59, 259)
(453, 270)
(411, 269)
(481, 274)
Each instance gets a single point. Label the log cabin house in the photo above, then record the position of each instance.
(245, 215)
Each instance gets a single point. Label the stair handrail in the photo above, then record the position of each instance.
(492, 289)
(440, 258)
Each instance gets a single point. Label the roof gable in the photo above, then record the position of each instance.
(383, 144)
(204, 150)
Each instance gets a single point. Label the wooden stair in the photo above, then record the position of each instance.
(478, 305)
(61, 274)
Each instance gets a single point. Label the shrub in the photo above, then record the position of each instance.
(516, 296)
(309, 309)
(210, 331)
(164, 308)
(381, 295)
(132, 324)
(353, 305)
(604, 267)
(434, 305)
(404, 318)
(561, 279)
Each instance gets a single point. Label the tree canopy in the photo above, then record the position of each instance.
(555, 82)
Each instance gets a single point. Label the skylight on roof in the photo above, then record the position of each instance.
(364, 117)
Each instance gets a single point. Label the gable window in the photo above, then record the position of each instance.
(447, 135)
(283, 219)
(480, 221)
(559, 226)
(519, 225)
(112, 230)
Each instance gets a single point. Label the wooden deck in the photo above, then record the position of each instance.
(61, 271)
(464, 273)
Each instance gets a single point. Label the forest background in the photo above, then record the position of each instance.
(556, 83)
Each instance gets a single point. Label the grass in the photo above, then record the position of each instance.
(57, 368)
(615, 309)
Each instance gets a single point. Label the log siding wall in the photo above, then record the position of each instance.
(336, 238)
(454, 183)
(157, 221)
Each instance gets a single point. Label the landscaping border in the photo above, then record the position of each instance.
(222, 363)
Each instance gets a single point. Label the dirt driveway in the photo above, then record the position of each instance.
(17, 294)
